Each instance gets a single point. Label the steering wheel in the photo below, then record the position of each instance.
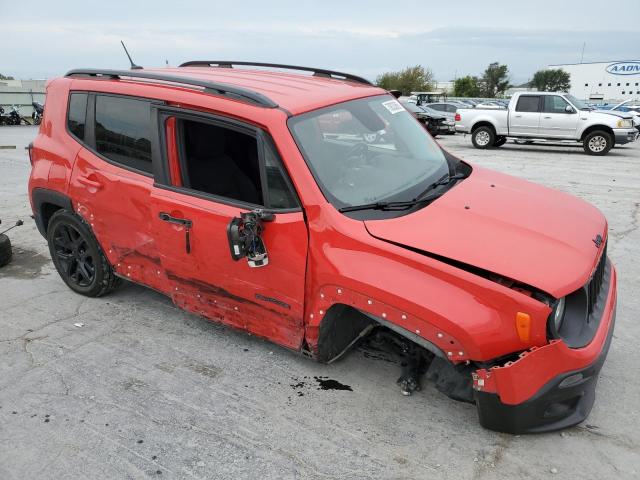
(357, 154)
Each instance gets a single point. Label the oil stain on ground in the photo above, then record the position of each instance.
(321, 383)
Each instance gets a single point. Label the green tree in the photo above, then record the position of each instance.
(495, 80)
(466, 87)
(552, 80)
(2, 77)
(411, 79)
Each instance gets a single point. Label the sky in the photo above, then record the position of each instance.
(42, 39)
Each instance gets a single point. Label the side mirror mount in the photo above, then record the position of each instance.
(569, 109)
(245, 237)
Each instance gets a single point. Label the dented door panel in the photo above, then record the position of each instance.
(204, 279)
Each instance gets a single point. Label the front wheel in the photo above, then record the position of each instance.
(483, 137)
(78, 257)
(597, 143)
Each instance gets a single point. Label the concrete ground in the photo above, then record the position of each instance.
(128, 386)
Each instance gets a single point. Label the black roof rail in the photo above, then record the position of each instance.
(318, 72)
(213, 88)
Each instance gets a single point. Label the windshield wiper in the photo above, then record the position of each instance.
(423, 198)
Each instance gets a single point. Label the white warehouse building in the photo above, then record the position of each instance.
(616, 80)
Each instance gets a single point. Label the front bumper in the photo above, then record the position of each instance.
(625, 135)
(547, 388)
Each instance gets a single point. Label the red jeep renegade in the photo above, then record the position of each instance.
(313, 210)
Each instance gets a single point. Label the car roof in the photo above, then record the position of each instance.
(295, 92)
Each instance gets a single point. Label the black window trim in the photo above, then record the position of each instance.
(540, 103)
(81, 141)
(263, 140)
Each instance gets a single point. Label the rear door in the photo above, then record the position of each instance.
(555, 120)
(112, 180)
(525, 119)
(215, 169)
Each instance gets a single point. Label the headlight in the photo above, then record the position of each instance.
(557, 315)
(625, 123)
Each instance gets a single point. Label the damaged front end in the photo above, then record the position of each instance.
(553, 386)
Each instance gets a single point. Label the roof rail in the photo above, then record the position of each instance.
(213, 88)
(317, 72)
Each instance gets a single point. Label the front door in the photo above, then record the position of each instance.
(556, 121)
(217, 169)
(525, 119)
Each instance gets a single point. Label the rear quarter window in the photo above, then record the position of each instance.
(77, 114)
(123, 131)
(528, 103)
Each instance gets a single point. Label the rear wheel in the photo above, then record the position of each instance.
(483, 137)
(78, 257)
(597, 143)
(500, 140)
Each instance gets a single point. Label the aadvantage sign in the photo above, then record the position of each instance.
(624, 68)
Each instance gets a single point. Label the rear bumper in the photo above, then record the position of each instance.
(625, 135)
(547, 388)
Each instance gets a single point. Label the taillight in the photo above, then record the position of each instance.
(458, 117)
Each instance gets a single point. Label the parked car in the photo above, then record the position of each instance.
(252, 198)
(632, 107)
(435, 122)
(549, 116)
(447, 107)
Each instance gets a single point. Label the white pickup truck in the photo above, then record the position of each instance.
(548, 116)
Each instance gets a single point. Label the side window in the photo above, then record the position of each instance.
(438, 106)
(77, 114)
(280, 195)
(554, 104)
(528, 103)
(225, 162)
(220, 161)
(123, 131)
(452, 108)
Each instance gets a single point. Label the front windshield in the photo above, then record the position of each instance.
(579, 104)
(368, 150)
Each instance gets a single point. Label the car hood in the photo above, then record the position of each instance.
(613, 113)
(529, 233)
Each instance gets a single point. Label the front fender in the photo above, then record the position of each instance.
(464, 315)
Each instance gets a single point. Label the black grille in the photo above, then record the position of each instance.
(595, 284)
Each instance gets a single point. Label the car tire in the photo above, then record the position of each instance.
(483, 137)
(5, 250)
(597, 142)
(500, 140)
(77, 256)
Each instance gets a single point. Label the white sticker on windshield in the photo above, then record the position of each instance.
(393, 106)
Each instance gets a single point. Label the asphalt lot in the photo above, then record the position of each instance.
(128, 386)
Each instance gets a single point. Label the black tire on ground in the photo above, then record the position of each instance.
(483, 137)
(78, 257)
(500, 140)
(5, 250)
(597, 142)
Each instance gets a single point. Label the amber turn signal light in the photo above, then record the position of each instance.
(523, 326)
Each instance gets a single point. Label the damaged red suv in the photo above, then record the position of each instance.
(313, 210)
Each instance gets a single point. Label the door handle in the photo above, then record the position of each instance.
(547, 117)
(89, 182)
(187, 224)
(518, 116)
(165, 217)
